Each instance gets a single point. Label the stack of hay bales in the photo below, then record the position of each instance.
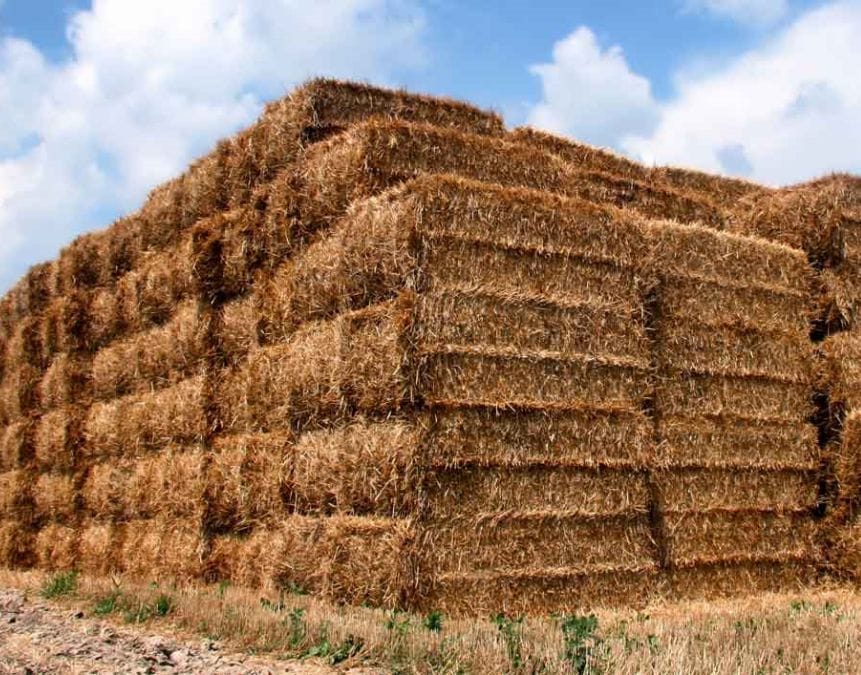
(738, 457)
(376, 348)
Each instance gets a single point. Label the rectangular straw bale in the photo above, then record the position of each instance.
(249, 481)
(105, 491)
(538, 592)
(739, 536)
(105, 313)
(838, 298)
(67, 324)
(466, 493)
(67, 380)
(130, 424)
(56, 548)
(322, 107)
(702, 345)
(16, 444)
(163, 550)
(80, 265)
(148, 294)
(99, 547)
(16, 495)
(157, 358)
(25, 346)
(529, 324)
(362, 468)
(705, 393)
(54, 497)
(735, 580)
(161, 215)
(692, 251)
(205, 185)
(695, 440)
(19, 391)
(511, 542)
(844, 457)
(840, 368)
(57, 441)
(16, 545)
(487, 376)
(235, 329)
(491, 437)
(374, 155)
(121, 249)
(845, 553)
(649, 200)
(697, 489)
(735, 303)
(40, 285)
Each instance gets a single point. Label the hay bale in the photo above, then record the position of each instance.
(16, 444)
(360, 468)
(458, 437)
(205, 186)
(40, 283)
(122, 248)
(706, 489)
(512, 542)
(838, 299)
(725, 442)
(538, 592)
(175, 415)
(235, 330)
(56, 548)
(54, 496)
(249, 481)
(99, 548)
(157, 358)
(845, 553)
(844, 458)
(16, 496)
(16, 545)
(162, 550)
(169, 484)
(740, 579)
(80, 265)
(161, 216)
(840, 369)
(19, 391)
(105, 314)
(66, 325)
(728, 536)
(502, 378)
(105, 491)
(57, 440)
(66, 381)
(25, 345)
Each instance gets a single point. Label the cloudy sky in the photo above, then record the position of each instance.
(102, 100)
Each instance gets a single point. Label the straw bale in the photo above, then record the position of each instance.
(19, 391)
(222, 562)
(154, 359)
(40, 283)
(514, 541)
(106, 321)
(248, 481)
(80, 265)
(57, 439)
(700, 489)
(205, 185)
(586, 438)
(362, 468)
(692, 251)
(722, 190)
(16, 444)
(56, 547)
(739, 536)
(161, 216)
(162, 549)
(99, 547)
(697, 344)
(715, 394)
(132, 423)
(148, 294)
(494, 492)
(25, 345)
(539, 592)
(16, 498)
(235, 329)
(840, 368)
(844, 456)
(122, 248)
(734, 303)
(482, 375)
(105, 491)
(845, 553)
(650, 200)
(738, 579)
(374, 155)
(838, 300)
(723, 442)
(529, 324)
(66, 381)
(16, 545)
(54, 497)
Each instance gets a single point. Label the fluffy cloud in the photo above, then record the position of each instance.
(786, 111)
(592, 93)
(744, 11)
(152, 84)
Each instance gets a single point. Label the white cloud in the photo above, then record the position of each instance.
(744, 11)
(152, 84)
(787, 110)
(592, 93)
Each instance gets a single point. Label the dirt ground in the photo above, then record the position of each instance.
(37, 637)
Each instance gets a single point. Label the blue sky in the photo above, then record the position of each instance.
(100, 101)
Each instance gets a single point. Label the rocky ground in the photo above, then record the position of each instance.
(38, 637)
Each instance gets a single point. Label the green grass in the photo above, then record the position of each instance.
(60, 584)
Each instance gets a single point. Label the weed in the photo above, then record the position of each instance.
(163, 605)
(433, 622)
(295, 622)
(60, 584)
(107, 605)
(351, 646)
(578, 633)
(796, 607)
(511, 631)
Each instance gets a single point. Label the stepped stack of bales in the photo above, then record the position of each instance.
(378, 348)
